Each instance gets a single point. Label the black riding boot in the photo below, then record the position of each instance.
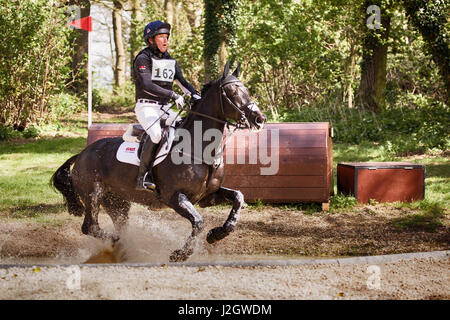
(145, 179)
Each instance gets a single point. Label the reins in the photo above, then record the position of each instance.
(229, 132)
(241, 124)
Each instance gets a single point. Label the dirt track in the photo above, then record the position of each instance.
(270, 231)
(273, 232)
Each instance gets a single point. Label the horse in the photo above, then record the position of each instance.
(97, 178)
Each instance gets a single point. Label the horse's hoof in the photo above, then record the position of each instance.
(106, 236)
(216, 234)
(180, 255)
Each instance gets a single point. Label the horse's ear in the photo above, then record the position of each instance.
(238, 69)
(226, 70)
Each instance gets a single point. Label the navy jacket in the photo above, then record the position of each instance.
(155, 73)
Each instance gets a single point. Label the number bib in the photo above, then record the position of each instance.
(163, 70)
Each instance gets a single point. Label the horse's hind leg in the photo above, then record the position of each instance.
(92, 207)
(224, 195)
(181, 204)
(117, 209)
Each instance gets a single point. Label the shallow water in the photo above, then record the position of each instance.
(149, 239)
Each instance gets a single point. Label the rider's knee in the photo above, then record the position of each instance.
(155, 135)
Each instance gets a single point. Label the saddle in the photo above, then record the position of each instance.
(136, 133)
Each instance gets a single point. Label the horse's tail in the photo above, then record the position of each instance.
(62, 181)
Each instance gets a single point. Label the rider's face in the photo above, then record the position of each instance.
(161, 41)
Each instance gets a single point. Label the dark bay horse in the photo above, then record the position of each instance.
(97, 178)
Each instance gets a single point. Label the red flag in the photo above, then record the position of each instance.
(83, 23)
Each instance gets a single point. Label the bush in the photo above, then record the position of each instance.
(97, 100)
(117, 98)
(413, 125)
(31, 132)
(341, 201)
(7, 133)
(34, 55)
(64, 105)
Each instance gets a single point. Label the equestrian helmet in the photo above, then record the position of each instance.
(154, 28)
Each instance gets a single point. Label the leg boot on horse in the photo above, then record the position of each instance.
(145, 178)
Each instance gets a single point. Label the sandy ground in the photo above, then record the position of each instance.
(413, 279)
(269, 233)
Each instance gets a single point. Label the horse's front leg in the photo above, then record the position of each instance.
(221, 196)
(181, 204)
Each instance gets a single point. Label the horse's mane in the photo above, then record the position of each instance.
(205, 89)
(208, 86)
(197, 103)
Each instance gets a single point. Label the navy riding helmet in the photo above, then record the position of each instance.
(154, 28)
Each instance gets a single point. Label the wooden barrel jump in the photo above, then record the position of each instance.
(283, 163)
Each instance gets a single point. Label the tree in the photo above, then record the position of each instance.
(219, 33)
(430, 18)
(135, 40)
(78, 79)
(119, 69)
(374, 57)
(34, 60)
(170, 9)
(189, 8)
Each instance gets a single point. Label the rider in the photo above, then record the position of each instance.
(154, 72)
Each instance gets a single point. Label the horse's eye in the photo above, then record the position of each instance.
(234, 92)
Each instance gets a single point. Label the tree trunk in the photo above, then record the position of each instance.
(169, 10)
(223, 54)
(79, 55)
(119, 70)
(189, 9)
(216, 38)
(350, 71)
(135, 34)
(373, 65)
(211, 40)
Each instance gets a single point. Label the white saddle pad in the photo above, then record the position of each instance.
(127, 151)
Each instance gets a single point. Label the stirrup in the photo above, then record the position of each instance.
(148, 184)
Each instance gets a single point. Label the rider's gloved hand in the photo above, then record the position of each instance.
(196, 97)
(179, 100)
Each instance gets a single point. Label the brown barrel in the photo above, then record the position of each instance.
(99, 131)
(303, 169)
(305, 163)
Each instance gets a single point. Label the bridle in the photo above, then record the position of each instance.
(243, 122)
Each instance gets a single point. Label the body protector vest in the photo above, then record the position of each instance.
(155, 73)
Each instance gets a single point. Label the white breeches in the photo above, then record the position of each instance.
(149, 115)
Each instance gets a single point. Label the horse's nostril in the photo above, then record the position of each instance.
(259, 120)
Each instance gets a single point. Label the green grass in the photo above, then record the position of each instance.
(25, 171)
(26, 166)
(427, 220)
